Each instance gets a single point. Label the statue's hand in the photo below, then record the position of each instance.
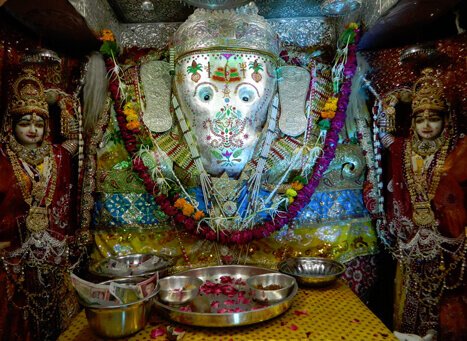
(385, 125)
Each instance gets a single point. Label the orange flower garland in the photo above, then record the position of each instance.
(330, 107)
(131, 116)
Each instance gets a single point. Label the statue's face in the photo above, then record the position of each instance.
(428, 125)
(29, 130)
(225, 97)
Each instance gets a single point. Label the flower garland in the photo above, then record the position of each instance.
(184, 214)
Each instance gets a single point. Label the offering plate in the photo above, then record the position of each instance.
(138, 264)
(225, 299)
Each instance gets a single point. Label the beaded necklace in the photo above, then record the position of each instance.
(37, 219)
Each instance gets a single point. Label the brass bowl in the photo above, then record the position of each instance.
(179, 289)
(312, 271)
(119, 320)
(270, 287)
(131, 265)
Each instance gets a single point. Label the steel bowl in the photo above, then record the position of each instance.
(179, 289)
(270, 287)
(131, 265)
(119, 320)
(312, 271)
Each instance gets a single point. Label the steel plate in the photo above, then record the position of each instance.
(207, 319)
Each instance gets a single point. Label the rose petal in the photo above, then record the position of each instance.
(158, 332)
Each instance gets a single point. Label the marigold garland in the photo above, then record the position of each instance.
(301, 191)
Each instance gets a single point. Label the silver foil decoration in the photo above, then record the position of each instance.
(98, 15)
(335, 8)
(206, 29)
(299, 32)
(304, 32)
(369, 12)
(157, 84)
(154, 35)
(216, 4)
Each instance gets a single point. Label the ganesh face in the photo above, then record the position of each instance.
(225, 98)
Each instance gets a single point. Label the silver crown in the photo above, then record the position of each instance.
(240, 29)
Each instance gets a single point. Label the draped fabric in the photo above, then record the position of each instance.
(450, 202)
(36, 299)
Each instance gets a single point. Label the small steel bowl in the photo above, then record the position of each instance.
(270, 287)
(312, 271)
(132, 266)
(119, 320)
(179, 289)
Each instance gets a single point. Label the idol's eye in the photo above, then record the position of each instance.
(205, 93)
(434, 118)
(246, 94)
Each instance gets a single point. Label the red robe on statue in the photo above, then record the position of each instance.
(420, 280)
(37, 298)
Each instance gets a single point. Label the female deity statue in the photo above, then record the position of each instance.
(426, 215)
(36, 225)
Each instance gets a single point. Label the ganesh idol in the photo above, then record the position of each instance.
(204, 156)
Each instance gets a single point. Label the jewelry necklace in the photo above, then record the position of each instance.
(37, 219)
(421, 194)
(33, 156)
(427, 147)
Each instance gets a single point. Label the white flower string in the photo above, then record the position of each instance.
(338, 67)
(254, 183)
(117, 72)
(205, 180)
(377, 164)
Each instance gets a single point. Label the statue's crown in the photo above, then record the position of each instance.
(428, 93)
(240, 29)
(28, 96)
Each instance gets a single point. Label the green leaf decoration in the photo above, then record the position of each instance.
(216, 154)
(300, 179)
(109, 48)
(348, 36)
(324, 124)
(122, 165)
(237, 153)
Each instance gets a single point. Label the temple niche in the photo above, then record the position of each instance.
(240, 133)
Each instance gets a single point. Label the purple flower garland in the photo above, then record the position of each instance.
(259, 231)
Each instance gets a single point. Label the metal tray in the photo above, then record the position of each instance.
(132, 266)
(253, 312)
